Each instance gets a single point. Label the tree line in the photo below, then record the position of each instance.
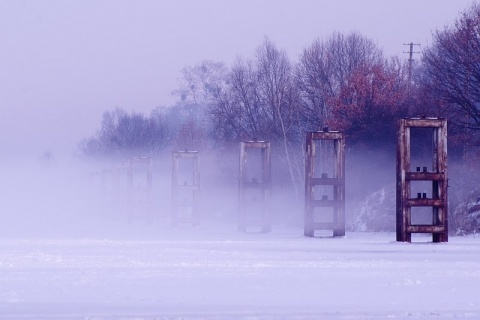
(343, 82)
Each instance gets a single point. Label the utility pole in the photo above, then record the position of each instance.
(410, 61)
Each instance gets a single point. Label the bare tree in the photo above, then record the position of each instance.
(261, 101)
(190, 136)
(451, 78)
(324, 69)
(279, 98)
(452, 73)
(260, 98)
(162, 129)
(201, 83)
(122, 134)
(239, 109)
(199, 87)
(238, 114)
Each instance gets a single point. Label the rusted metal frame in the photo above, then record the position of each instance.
(254, 184)
(427, 229)
(140, 160)
(264, 185)
(435, 203)
(327, 181)
(309, 223)
(438, 202)
(147, 190)
(328, 135)
(339, 189)
(428, 176)
(242, 177)
(194, 187)
(424, 122)
(403, 213)
(337, 182)
(337, 204)
(440, 187)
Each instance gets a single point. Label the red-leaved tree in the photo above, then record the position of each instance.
(370, 103)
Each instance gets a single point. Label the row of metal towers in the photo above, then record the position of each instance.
(324, 207)
(325, 181)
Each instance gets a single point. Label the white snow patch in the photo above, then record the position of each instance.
(211, 274)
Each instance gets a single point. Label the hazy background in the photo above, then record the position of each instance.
(63, 63)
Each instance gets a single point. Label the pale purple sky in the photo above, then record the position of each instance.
(63, 63)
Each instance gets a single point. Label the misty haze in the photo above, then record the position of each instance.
(239, 160)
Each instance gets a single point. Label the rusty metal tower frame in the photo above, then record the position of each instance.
(192, 186)
(142, 191)
(261, 183)
(337, 182)
(437, 176)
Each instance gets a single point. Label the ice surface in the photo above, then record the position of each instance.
(218, 273)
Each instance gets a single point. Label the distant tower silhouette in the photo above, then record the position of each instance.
(410, 61)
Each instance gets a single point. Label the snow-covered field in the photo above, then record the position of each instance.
(218, 273)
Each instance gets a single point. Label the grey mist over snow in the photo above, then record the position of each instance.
(63, 63)
(67, 247)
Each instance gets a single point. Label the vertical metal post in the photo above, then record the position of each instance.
(337, 182)
(261, 184)
(309, 222)
(438, 178)
(403, 216)
(184, 187)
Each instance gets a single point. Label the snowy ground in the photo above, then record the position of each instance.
(210, 273)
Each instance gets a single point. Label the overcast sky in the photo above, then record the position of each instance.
(64, 62)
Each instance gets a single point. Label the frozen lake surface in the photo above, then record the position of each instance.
(215, 273)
